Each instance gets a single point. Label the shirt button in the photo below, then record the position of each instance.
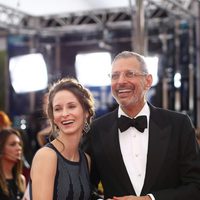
(139, 175)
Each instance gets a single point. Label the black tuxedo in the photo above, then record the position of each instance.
(173, 165)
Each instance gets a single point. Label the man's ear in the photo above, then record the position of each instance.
(149, 81)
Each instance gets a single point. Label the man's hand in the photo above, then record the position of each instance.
(132, 198)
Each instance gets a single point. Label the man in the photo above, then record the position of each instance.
(197, 131)
(158, 161)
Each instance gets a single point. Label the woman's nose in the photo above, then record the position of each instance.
(65, 112)
(19, 147)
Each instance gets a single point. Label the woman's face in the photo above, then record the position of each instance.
(68, 113)
(13, 149)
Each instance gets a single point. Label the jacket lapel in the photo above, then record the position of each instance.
(115, 157)
(158, 143)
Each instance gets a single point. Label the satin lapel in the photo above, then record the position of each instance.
(158, 143)
(114, 156)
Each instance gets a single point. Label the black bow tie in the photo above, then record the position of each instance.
(140, 123)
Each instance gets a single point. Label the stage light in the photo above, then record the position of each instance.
(177, 80)
(152, 64)
(28, 73)
(92, 68)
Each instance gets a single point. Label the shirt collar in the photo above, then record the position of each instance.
(145, 111)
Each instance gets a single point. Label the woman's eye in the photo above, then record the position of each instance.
(72, 106)
(57, 109)
(13, 144)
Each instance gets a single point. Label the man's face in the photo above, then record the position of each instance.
(128, 83)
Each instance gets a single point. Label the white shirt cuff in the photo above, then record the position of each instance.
(152, 197)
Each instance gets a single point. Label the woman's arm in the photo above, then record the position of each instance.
(88, 161)
(43, 172)
(42, 134)
(23, 181)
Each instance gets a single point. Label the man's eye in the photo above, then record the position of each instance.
(115, 76)
(129, 74)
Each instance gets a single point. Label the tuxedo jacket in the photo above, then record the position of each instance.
(173, 160)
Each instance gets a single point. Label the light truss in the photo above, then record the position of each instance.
(10, 17)
(18, 22)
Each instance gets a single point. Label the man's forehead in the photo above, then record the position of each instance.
(127, 62)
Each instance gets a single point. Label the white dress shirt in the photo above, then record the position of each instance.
(134, 147)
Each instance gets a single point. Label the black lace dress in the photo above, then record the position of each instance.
(15, 194)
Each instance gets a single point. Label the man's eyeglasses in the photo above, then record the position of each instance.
(127, 74)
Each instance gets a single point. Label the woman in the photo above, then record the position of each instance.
(5, 121)
(12, 182)
(60, 170)
(42, 135)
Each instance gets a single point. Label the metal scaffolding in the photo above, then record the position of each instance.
(155, 12)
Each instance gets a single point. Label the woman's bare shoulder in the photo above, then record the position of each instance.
(44, 158)
(45, 153)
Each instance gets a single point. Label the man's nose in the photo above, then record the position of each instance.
(122, 77)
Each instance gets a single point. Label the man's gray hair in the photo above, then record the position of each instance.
(131, 54)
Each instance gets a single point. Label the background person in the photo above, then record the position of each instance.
(5, 121)
(60, 169)
(43, 134)
(12, 181)
(197, 131)
(153, 157)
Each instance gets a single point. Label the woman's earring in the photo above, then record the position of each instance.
(86, 127)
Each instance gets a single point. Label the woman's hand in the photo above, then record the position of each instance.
(132, 198)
